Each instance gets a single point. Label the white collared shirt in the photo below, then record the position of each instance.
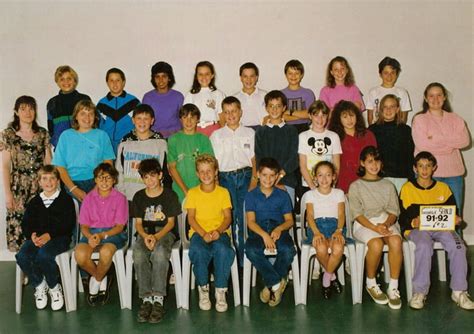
(47, 201)
(234, 149)
(253, 106)
(280, 125)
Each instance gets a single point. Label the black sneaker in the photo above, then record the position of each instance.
(157, 313)
(105, 294)
(144, 312)
(336, 285)
(93, 300)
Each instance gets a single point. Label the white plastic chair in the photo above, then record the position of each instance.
(308, 251)
(119, 261)
(410, 264)
(63, 263)
(187, 272)
(175, 265)
(250, 272)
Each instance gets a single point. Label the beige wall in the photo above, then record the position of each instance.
(433, 40)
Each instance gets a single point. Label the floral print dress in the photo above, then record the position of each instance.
(27, 157)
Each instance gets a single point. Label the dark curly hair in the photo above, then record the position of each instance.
(335, 123)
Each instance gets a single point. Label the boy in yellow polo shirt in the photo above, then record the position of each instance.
(209, 215)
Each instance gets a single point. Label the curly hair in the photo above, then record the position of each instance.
(335, 123)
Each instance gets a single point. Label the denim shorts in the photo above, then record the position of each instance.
(119, 240)
(327, 226)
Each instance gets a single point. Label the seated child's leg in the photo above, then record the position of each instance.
(46, 259)
(106, 253)
(160, 259)
(254, 248)
(456, 250)
(395, 255)
(286, 253)
(423, 253)
(26, 260)
(83, 253)
(141, 263)
(223, 257)
(200, 256)
(337, 251)
(374, 254)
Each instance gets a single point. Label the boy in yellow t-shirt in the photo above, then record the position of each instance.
(209, 214)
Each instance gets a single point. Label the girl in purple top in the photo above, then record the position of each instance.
(103, 216)
(340, 84)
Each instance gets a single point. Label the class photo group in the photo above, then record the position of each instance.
(220, 185)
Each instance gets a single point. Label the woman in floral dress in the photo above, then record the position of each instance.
(25, 148)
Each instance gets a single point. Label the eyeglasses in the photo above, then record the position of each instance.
(107, 178)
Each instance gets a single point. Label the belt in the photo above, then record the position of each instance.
(238, 171)
(203, 124)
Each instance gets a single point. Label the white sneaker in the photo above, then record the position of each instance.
(394, 301)
(204, 301)
(221, 302)
(316, 271)
(57, 299)
(463, 300)
(418, 301)
(41, 295)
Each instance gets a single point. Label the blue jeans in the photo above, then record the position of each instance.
(456, 184)
(39, 262)
(237, 183)
(254, 247)
(219, 252)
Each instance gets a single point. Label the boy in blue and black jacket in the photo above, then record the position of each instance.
(116, 108)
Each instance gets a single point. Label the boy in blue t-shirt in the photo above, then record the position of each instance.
(116, 108)
(269, 217)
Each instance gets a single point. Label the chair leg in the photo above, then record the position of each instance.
(354, 273)
(305, 263)
(18, 289)
(386, 266)
(340, 270)
(296, 280)
(246, 283)
(74, 279)
(185, 279)
(360, 256)
(129, 278)
(119, 262)
(64, 268)
(176, 265)
(235, 282)
(408, 269)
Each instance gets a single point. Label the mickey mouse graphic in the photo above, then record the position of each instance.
(319, 146)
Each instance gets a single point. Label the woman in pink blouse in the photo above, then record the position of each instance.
(438, 130)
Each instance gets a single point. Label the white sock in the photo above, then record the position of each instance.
(276, 286)
(158, 299)
(393, 284)
(371, 282)
(456, 293)
(93, 286)
(148, 299)
(103, 284)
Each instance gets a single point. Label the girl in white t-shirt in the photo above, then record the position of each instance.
(325, 216)
(205, 95)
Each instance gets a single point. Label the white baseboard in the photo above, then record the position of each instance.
(469, 238)
(6, 255)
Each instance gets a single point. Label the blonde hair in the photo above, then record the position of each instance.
(206, 158)
(84, 104)
(65, 69)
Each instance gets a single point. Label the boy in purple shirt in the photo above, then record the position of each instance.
(299, 98)
(165, 101)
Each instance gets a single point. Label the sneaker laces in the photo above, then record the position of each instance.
(377, 289)
(220, 296)
(56, 292)
(393, 293)
(41, 292)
